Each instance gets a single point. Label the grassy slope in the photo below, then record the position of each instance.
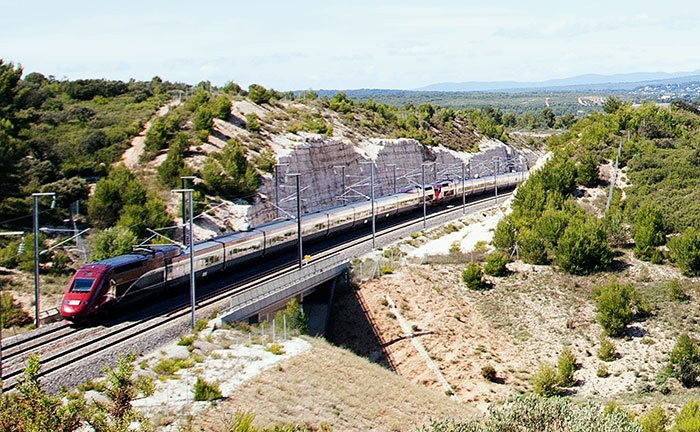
(331, 385)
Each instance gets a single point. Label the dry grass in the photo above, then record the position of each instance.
(333, 386)
(526, 318)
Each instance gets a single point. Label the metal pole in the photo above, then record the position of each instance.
(36, 261)
(2, 324)
(277, 192)
(183, 183)
(299, 236)
(464, 192)
(35, 197)
(192, 293)
(183, 186)
(422, 174)
(374, 216)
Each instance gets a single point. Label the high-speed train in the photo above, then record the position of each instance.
(96, 286)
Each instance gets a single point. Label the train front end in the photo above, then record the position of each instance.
(85, 292)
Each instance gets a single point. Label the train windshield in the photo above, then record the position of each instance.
(82, 285)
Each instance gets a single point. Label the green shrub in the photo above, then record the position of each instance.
(252, 123)
(229, 174)
(504, 236)
(617, 305)
(688, 419)
(186, 340)
(489, 373)
(221, 107)
(685, 251)
(473, 277)
(111, 242)
(294, 316)
(266, 160)
(496, 264)
(546, 381)
(203, 118)
(206, 391)
(258, 94)
(648, 232)
(12, 314)
(583, 248)
(654, 420)
(602, 371)
(587, 170)
(168, 366)
(536, 414)
(676, 291)
(684, 360)
(566, 366)
(606, 351)
(275, 348)
(29, 408)
(532, 249)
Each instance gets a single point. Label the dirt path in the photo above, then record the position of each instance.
(132, 155)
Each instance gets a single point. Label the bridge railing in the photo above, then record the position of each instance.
(247, 303)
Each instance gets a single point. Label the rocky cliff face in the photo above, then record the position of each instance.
(320, 162)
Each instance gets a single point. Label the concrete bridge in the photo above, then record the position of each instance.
(259, 303)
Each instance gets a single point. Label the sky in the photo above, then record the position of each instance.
(308, 44)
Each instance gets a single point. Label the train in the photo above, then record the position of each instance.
(97, 286)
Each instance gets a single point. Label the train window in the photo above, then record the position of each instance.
(82, 285)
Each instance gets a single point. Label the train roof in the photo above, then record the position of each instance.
(131, 258)
(121, 260)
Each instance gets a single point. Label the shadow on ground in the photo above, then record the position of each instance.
(351, 327)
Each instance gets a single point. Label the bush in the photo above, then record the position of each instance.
(489, 373)
(111, 194)
(676, 291)
(606, 351)
(602, 371)
(29, 408)
(275, 348)
(654, 420)
(535, 414)
(496, 264)
(294, 316)
(111, 242)
(229, 174)
(252, 123)
(206, 391)
(12, 314)
(583, 248)
(171, 169)
(688, 419)
(151, 214)
(546, 381)
(685, 251)
(532, 248)
(258, 94)
(617, 305)
(473, 277)
(648, 232)
(504, 236)
(684, 360)
(221, 107)
(566, 366)
(587, 171)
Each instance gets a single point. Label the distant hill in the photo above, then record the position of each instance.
(578, 83)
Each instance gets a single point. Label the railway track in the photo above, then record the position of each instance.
(63, 345)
